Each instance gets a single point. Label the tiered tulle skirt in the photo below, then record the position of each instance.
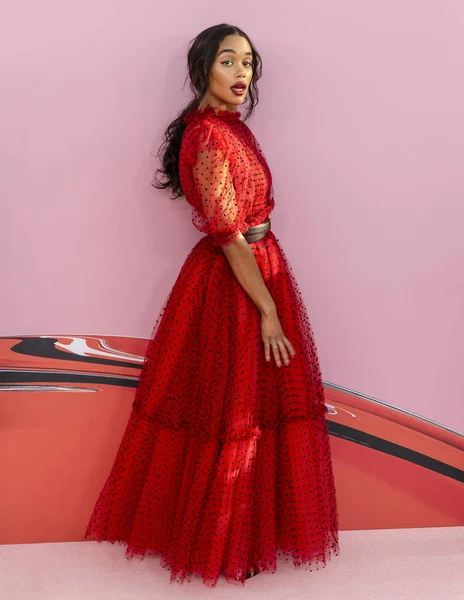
(225, 464)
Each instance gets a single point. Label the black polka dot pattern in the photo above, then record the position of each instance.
(225, 464)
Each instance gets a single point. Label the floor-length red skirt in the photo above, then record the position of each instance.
(225, 463)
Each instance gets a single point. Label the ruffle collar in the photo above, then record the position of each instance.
(221, 113)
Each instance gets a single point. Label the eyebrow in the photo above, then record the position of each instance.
(233, 52)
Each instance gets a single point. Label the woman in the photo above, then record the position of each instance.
(225, 463)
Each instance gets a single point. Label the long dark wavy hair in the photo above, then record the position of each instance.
(201, 55)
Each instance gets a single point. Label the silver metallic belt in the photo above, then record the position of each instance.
(257, 232)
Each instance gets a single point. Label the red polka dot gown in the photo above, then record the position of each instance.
(225, 464)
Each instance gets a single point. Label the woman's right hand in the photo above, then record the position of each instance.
(275, 340)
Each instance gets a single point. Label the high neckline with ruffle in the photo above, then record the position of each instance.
(209, 110)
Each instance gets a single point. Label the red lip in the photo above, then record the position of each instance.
(241, 86)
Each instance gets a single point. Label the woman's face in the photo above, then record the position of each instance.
(231, 67)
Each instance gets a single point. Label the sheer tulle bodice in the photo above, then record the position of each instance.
(224, 174)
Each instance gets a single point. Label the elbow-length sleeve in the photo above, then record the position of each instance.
(219, 211)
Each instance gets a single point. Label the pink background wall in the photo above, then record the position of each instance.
(362, 124)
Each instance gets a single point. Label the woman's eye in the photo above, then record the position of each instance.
(229, 61)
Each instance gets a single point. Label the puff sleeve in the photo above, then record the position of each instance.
(218, 209)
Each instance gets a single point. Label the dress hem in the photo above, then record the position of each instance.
(180, 574)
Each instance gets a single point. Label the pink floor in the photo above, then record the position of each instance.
(376, 565)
